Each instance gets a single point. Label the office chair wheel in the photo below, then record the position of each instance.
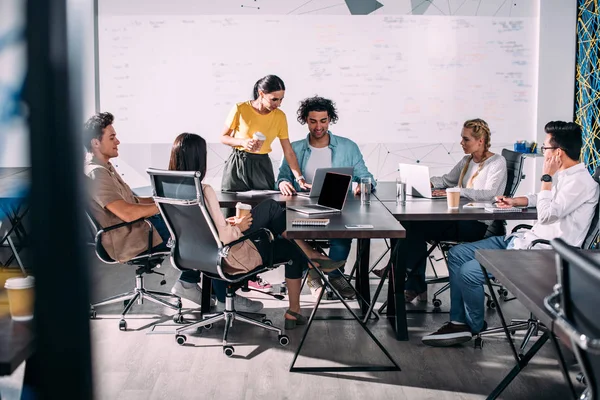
(330, 295)
(437, 303)
(178, 319)
(181, 339)
(478, 343)
(92, 314)
(284, 340)
(178, 304)
(491, 304)
(228, 350)
(503, 293)
(208, 327)
(267, 321)
(122, 325)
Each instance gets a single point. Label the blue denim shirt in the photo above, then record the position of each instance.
(344, 153)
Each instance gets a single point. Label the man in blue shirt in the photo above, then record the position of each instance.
(323, 149)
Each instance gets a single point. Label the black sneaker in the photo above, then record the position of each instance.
(448, 335)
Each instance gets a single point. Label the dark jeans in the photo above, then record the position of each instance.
(269, 214)
(418, 232)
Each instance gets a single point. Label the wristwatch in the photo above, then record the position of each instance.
(300, 178)
(546, 178)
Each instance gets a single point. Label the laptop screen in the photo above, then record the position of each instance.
(334, 190)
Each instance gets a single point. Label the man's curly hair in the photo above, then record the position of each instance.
(94, 127)
(317, 103)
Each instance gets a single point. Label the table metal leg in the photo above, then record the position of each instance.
(362, 276)
(396, 311)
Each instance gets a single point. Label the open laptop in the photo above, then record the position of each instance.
(317, 182)
(418, 182)
(332, 197)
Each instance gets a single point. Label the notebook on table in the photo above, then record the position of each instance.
(332, 197)
(310, 222)
(503, 209)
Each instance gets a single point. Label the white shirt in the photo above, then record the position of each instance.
(319, 158)
(566, 211)
(471, 169)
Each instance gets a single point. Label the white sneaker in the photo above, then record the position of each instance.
(190, 291)
(242, 304)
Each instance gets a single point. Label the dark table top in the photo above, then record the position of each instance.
(420, 209)
(530, 275)
(16, 344)
(376, 214)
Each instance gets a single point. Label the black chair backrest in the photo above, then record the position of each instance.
(180, 199)
(514, 169)
(579, 280)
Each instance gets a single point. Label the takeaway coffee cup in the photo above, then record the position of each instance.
(453, 197)
(20, 297)
(260, 140)
(242, 209)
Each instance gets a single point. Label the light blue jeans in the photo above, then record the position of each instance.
(467, 280)
(338, 251)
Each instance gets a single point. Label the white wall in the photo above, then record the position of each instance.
(555, 87)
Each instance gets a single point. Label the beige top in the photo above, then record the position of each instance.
(107, 186)
(243, 257)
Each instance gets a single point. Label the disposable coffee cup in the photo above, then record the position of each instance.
(242, 209)
(260, 138)
(453, 197)
(20, 297)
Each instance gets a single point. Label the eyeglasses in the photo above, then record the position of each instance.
(544, 148)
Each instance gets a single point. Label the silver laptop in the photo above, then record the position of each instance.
(418, 181)
(317, 182)
(332, 197)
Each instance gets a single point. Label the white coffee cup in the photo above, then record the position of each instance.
(20, 297)
(260, 138)
(242, 209)
(453, 197)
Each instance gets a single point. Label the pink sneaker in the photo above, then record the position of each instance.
(261, 285)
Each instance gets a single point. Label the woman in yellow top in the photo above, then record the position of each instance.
(249, 166)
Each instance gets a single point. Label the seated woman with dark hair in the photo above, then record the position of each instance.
(189, 154)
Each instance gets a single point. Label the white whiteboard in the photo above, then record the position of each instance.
(395, 79)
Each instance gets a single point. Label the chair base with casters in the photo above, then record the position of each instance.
(139, 294)
(532, 326)
(229, 315)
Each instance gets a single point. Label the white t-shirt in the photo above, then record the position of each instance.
(319, 158)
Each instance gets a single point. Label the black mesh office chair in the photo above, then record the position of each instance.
(574, 305)
(145, 263)
(196, 246)
(514, 168)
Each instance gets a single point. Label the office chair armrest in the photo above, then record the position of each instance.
(262, 233)
(536, 242)
(148, 252)
(521, 226)
(117, 226)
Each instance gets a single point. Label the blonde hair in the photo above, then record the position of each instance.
(479, 129)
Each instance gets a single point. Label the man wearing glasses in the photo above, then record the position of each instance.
(565, 206)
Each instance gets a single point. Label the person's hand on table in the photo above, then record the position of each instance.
(505, 202)
(304, 185)
(286, 188)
